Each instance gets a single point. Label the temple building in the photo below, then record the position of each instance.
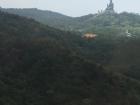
(110, 8)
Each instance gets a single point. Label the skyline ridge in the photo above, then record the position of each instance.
(79, 8)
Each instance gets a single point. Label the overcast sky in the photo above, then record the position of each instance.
(73, 7)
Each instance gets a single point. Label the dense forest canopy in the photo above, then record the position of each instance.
(45, 58)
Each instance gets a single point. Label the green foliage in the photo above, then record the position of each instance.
(40, 65)
(82, 24)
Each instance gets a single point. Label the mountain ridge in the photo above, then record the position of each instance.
(83, 23)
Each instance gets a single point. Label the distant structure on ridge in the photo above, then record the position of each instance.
(110, 8)
(89, 36)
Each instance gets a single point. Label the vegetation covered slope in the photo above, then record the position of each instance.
(37, 68)
(110, 28)
(83, 23)
(46, 17)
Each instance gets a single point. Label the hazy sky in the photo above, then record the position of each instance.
(73, 7)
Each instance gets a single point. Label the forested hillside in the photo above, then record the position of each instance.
(40, 65)
(46, 17)
(83, 23)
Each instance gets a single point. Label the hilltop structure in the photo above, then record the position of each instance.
(89, 36)
(110, 8)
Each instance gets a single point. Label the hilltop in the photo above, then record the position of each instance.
(83, 23)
